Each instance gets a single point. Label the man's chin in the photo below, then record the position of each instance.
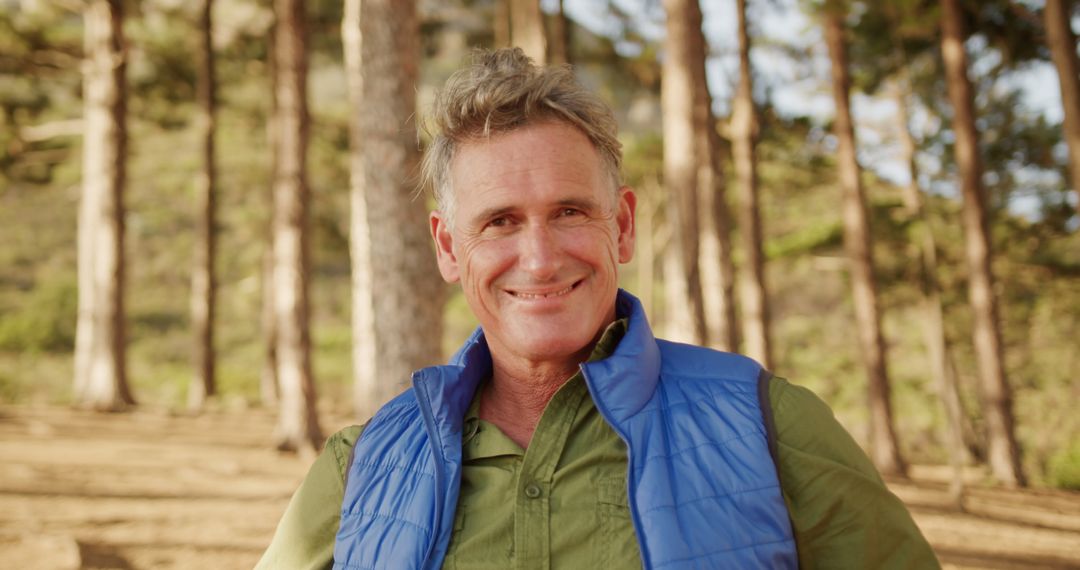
(553, 345)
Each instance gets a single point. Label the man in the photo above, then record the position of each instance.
(563, 434)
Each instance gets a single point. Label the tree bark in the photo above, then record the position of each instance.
(298, 423)
(203, 281)
(269, 391)
(937, 345)
(366, 390)
(678, 326)
(680, 170)
(559, 42)
(744, 127)
(717, 267)
(644, 220)
(1062, 42)
(408, 310)
(884, 449)
(100, 373)
(501, 24)
(1004, 453)
(527, 29)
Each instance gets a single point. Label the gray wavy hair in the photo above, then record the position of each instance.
(503, 90)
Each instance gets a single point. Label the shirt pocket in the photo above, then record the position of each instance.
(620, 547)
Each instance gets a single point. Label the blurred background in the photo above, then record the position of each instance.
(210, 208)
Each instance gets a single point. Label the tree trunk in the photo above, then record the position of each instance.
(1004, 453)
(269, 391)
(100, 374)
(1062, 42)
(501, 24)
(408, 311)
(298, 422)
(937, 345)
(203, 281)
(744, 126)
(366, 390)
(884, 449)
(527, 29)
(717, 267)
(646, 244)
(680, 170)
(678, 325)
(559, 42)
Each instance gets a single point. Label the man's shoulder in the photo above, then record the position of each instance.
(406, 398)
(680, 360)
(403, 403)
(341, 444)
(394, 415)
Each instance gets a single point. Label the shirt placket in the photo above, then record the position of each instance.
(532, 505)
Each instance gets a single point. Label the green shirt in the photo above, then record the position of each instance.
(562, 502)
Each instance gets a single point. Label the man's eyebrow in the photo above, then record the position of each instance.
(498, 211)
(493, 212)
(580, 203)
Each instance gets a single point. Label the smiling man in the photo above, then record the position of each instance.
(537, 234)
(563, 434)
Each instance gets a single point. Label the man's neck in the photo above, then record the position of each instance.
(516, 397)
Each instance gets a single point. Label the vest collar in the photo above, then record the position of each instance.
(623, 383)
(448, 389)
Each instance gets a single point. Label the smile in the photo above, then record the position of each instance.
(544, 295)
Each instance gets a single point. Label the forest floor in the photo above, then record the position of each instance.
(155, 490)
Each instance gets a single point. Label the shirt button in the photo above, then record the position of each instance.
(532, 491)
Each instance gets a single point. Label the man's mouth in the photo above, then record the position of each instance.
(544, 294)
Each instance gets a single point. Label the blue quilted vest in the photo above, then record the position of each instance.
(701, 481)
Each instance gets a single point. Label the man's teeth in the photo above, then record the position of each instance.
(543, 295)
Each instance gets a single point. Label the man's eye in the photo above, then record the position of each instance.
(499, 222)
(565, 212)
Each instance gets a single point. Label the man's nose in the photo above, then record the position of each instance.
(540, 254)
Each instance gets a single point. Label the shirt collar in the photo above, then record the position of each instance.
(621, 372)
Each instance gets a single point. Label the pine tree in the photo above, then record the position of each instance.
(884, 449)
(680, 172)
(203, 279)
(298, 422)
(408, 293)
(100, 371)
(1004, 453)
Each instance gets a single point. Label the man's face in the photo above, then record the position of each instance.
(537, 236)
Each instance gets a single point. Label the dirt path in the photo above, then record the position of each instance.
(148, 490)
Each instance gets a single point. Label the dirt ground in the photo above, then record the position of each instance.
(152, 490)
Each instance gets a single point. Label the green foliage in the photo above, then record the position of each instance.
(642, 158)
(814, 238)
(35, 377)
(36, 49)
(10, 389)
(161, 65)
(45, 321)
(1063, 470)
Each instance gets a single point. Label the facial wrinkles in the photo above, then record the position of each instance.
(499, 253)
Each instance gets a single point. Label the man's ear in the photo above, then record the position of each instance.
(444, 247)
(624, 217)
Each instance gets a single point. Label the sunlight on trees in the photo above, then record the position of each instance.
(275, 154)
